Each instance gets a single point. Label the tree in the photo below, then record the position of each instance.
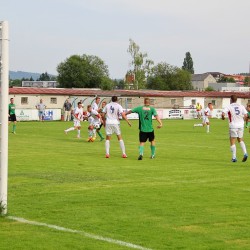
(167, 77)
(226, 79)
(141, 66)
(86, 71)
(188, 63)
(44, 77)
(209, 88)
(16, 82)
(107, 84)
(119, 84)
(247, 81)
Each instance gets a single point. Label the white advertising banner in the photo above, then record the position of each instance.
(188, 113)
(32, 114)
(55, 114)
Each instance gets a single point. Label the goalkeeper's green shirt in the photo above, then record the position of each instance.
(12, 108)
(145, 114)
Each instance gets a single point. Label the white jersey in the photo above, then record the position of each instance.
(93, 117)
(113, 111)
(206, 112)
(95, 106)
(78, 112)
(236, 113)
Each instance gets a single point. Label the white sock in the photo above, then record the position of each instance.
(78, 132)
(243, 146)
(233, 150)
(198, 125)
(122, 146)
(107, 146)
(208, 128)
(70, 129)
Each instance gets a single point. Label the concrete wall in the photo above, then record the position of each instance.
(126, 102)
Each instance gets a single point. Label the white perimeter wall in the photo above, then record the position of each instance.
(32, 114)
(55, 114)
(179, 114)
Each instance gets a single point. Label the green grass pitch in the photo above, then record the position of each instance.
(191, 196)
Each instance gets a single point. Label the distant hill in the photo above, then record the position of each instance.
(14, 75)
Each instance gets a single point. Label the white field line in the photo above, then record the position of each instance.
(85, 234)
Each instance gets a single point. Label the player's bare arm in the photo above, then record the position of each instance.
(159, 121)
(124, 116)
(103, 119)
(128, 112)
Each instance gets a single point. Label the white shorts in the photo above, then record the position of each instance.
(77, 123)
(112, 129)
(205, 119)
(236, 132)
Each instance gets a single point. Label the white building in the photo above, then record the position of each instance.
(40, 84)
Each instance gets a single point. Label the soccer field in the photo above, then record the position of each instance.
(191, 196)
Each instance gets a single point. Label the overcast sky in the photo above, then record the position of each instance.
(44, 33)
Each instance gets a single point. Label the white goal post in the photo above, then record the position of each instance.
(4, 84)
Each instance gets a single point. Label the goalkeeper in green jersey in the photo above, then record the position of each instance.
(12, 114)
(145, 114)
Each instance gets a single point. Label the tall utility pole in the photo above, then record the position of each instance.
(4, 81)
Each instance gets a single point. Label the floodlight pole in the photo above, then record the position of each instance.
(4, 80)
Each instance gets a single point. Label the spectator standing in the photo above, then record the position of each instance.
(198, 110)
(67, 107)
(41, 110)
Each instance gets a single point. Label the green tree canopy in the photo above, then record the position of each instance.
(16, 82)
(167, 77)
(247, 81)
(46, 77)
(226, 79)
(86, 71)
(188, 63)
(141, 66)
(209, 88)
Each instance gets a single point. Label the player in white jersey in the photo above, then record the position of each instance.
(95, 108)
(95, 121)
(237, 115)
(111, 123)
(95, 104)
(206, 114)
(78, 117)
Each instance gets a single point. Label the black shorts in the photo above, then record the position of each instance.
(12, 118)
(144, 136)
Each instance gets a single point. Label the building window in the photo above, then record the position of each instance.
(129, 100)
(213, 102)
(24, 100)
(53, 100)
(173, 101)
(152, 101)
(193, 101)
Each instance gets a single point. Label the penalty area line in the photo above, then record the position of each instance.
(85, 234)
